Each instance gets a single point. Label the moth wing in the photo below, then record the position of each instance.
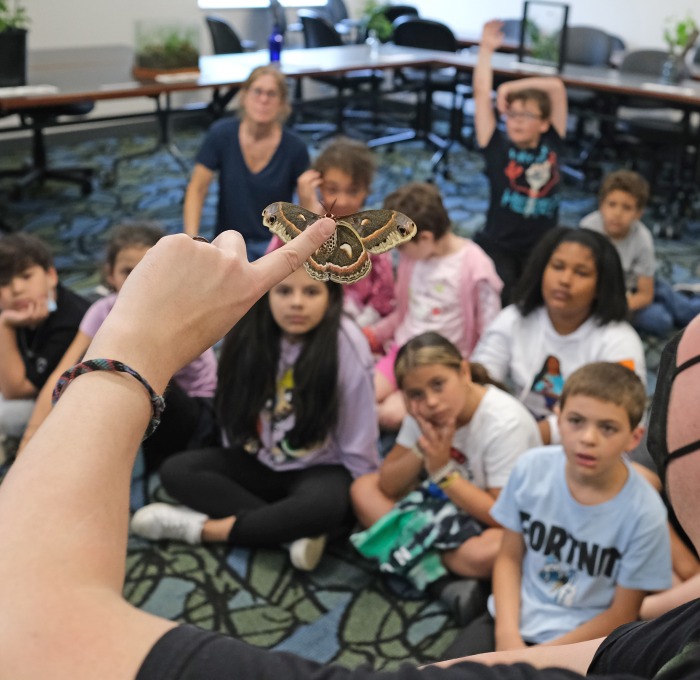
(287, 220)
(343, 257)
(381, 230)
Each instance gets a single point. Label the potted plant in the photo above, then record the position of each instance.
(13, 43)
(679, 36)
(374, 19)
(166, 48)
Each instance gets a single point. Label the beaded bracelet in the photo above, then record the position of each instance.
(445, 475)
(157, 401)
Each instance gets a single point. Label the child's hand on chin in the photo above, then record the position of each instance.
(31, 314)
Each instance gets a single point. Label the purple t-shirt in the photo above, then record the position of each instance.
(353, 440)
(197, 379)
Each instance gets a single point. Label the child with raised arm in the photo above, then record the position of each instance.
(521, 162)
(339, 183)
(585, 535)
(445, 283)
(655, 306)
(38, 320)
(188, 419)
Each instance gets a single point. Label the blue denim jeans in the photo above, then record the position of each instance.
(670, 309)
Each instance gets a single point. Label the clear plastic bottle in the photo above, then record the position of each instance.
(373, 42)
(275, 42)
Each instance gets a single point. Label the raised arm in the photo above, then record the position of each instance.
(554, 88)
(482, 82)
(62, 564)
(195, 194)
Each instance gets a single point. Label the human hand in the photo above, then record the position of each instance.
(308, 184)
(185, 295)
(435, 442)
(492, 35)
(29, 315)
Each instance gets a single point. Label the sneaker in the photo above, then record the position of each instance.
(464, 597)
(306, 553)
(159, 521)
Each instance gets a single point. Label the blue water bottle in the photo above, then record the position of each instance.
(275, 42)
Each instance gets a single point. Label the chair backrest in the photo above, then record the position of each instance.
(335, 11)
(618, 44)
(393, 12)
(650, 62)
(588, 46)
(223, 37)
(412, 31)
(318, 31)
(279, 17)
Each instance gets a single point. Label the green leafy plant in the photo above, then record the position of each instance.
(376, 20)
(680, 35)
(166, 47)
(13, 16)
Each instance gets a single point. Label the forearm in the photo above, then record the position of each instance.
(507, 579)
(13, 377)
(576, 657)
(400, 474)
(471, 499)
(639, 300)
(597, 627)
(192, 208)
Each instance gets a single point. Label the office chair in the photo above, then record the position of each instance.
(412, 31)
(37, 119)
(319, 32)
(393, 12)
(224, 40)
(661, 137)
(587, 46)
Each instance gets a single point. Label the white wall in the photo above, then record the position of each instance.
(63, 23)
(638, 22)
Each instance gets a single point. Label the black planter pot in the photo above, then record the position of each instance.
(13, 57)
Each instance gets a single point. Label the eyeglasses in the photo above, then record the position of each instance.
(525, 115)
(259, 93)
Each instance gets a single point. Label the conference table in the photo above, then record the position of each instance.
(104, 73)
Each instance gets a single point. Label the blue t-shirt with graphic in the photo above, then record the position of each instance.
(575, 554)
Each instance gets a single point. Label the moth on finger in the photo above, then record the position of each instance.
(344, 257)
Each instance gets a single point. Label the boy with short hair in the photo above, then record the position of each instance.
(445, 283)
(38, 320)
(521, 163)
(585, 535)
(656, 308)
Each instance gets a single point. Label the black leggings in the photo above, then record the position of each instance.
(271, 507)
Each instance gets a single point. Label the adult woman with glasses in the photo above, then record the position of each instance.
(258, 161)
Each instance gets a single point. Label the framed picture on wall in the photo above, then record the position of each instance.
(543, 34)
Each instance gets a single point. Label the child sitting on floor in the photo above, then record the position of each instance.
(656, 307)
(188, 418)
(445, 283)
(339, 183)
(38, 320)
(585, 535)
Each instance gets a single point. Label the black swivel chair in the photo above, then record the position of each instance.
(412, 31)
(659, 139)
(224, 40)
(37, 119)
(319, 32)
(393, 12)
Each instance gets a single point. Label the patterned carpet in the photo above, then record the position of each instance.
(344, 611)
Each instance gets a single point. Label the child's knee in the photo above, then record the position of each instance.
(391, 411)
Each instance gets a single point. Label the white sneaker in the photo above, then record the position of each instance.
(159, 521)
(306, 553)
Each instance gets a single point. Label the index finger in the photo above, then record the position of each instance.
(280, 263)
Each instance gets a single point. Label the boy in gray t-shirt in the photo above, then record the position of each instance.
(655, 306)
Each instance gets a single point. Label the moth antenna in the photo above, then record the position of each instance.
(329, 213)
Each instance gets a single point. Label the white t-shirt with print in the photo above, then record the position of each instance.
(522, 350)
(490, 443)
